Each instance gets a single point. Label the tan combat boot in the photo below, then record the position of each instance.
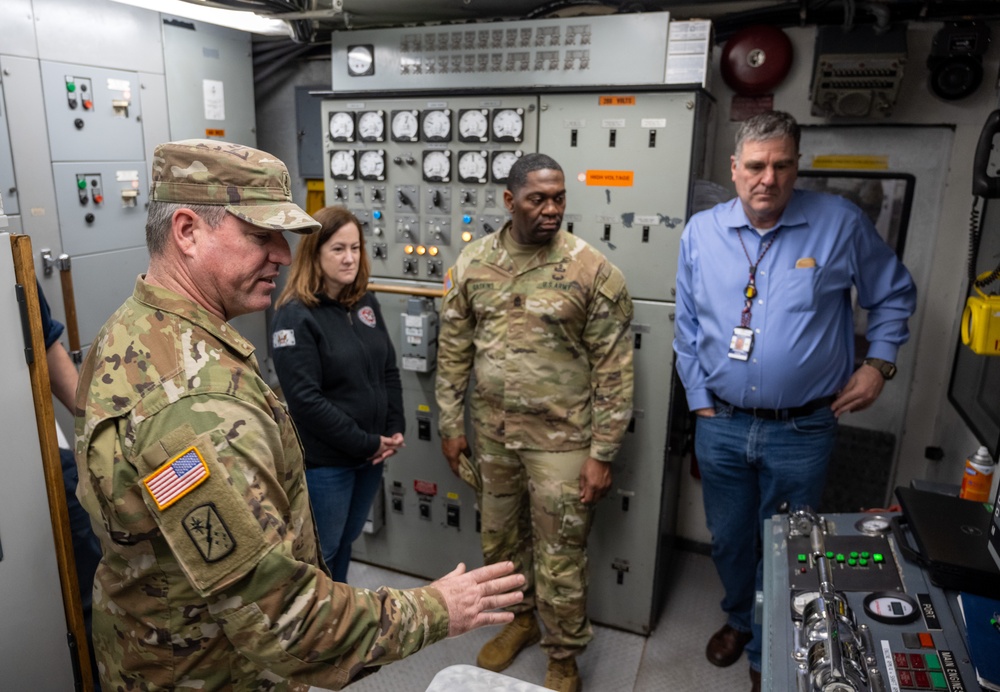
(563, 675)
(499, 652)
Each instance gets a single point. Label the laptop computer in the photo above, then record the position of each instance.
(951, 536)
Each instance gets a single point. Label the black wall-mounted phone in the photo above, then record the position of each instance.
(984, 185)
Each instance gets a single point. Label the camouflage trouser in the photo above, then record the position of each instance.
(532, 515)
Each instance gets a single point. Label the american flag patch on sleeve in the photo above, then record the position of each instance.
(448, 281)
(176, 478)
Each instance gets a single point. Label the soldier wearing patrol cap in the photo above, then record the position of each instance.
(542, 319)
(192, 472)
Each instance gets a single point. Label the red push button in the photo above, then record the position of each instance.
(901, 660)
(905, 678)
(926, 640)
(917, 661)
(923, 680)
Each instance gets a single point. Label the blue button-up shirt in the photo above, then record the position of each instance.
(802, 318)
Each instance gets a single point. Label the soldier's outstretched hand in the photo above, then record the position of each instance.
(474, 597)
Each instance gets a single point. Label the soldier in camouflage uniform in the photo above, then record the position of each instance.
(192, 473)
(542, 319)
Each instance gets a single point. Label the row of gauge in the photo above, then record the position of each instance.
(430, 125)
(436, 165)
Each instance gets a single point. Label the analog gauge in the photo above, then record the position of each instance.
(473, 125)
(502, 161)
(891, 607)
(342, 126)
(508, 124)
(472, 166)
(371, 126)
(404, 126)
(437, 125)
(800, 600)
(342, 164)
(437, 166)
(360, 60)
(371, 165)
(875, 525)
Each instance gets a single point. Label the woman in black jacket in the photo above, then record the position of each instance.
(337, 369)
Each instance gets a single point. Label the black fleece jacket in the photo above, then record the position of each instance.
(338, 372)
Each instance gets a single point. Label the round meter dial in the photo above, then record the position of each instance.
(342, 126)
(437, 166)
(891, 607)
(473, 125)
(508, 124)
(874, 525)
(472, 166)
(371, 166)
(404, 126)
(437, 125)
(342, 164)
(800, 600)
(502, 161)
(371, 126)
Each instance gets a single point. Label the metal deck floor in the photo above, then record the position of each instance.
(671, 659)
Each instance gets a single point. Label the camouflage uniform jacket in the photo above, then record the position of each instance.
(549, 344)
(223, 588)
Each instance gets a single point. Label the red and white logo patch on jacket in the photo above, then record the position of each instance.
(367, 316)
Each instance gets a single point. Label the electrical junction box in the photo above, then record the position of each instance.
(981, 325)
(857, 73)
(418, 346)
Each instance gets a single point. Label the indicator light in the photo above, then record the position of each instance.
(421, 250)
(466, 236)
(433, 251)
(408, 249)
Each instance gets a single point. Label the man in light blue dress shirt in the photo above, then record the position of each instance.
(765, 350)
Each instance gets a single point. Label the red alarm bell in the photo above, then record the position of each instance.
(756, 60)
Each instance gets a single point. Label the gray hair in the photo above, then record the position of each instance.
(160, 214)
(518, 176)
(766, 126)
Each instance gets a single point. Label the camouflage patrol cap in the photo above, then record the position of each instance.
(252, 184)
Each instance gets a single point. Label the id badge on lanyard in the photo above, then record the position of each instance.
(741, 344)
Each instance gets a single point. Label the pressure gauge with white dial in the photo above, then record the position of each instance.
(437, 125)
(473, 125)
(500, 166)
(342, 126)
(437, 166)
(404, 126)
(371, 126)
(361, 60)
(508, 124)
(371, 165)
(472, 166)
(342, 164)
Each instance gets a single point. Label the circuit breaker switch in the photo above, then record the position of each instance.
(130, 198)
(418, 350)
(120, 107)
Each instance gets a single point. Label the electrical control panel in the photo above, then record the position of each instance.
(844, 610)
(424, 176)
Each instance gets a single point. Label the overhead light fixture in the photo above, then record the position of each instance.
(241, 20)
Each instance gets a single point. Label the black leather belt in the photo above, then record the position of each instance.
(783, 413)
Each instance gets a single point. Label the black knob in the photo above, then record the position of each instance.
(78, 123)
(89, 218)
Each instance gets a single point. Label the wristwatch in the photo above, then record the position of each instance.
(887, 369)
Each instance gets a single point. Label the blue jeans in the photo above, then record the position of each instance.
(749, 467)
(341, 498)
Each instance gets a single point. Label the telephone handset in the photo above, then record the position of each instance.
(984, 185)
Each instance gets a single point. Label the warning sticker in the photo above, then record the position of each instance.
(611, 178)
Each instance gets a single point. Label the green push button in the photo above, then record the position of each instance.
(852, 562)
(81, 183)
(932, 662)
(854, 554)
(803, 557)
(829, 554)
(865, 554)
(840, 557)
(863, 562)
(878, 557)
(937, 681)
(70, 87)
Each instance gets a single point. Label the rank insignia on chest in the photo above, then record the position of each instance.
(176, 478)
(209, 532)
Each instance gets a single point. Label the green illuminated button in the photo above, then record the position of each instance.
(81, 183)
(932, 662)
(878, 557)
(852, 562)
(865, 554)
(840, 557)
(803, 557)
(863, 562)
(938, 681)
(854, 554)
(829, 554)
(70, 87)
